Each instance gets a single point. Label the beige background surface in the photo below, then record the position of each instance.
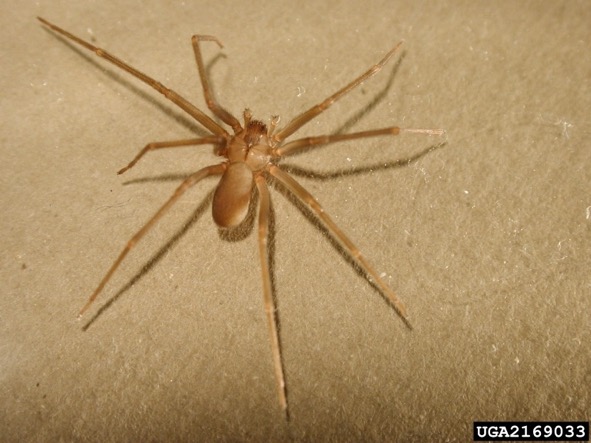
(487, 240)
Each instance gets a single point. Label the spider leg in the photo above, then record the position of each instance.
(186, 184)
(212, 104)
(308, 115)
(214, 139)
(293, 146)
(267, 289)
(305, 197)
(182, 103)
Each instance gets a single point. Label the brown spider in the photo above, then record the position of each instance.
(250, 155)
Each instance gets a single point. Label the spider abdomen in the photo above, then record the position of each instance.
(232, 196)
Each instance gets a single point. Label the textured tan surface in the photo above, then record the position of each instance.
(486, 240)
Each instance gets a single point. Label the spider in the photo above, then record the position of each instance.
(250, 156)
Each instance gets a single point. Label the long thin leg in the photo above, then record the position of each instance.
(182, 103)
(212, 104)
(186, 184)
(267, 290)
(308, 115)
(292, 147)
(307, 198)
(172, 144)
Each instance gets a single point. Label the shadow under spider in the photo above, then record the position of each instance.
(313, 219)
(377, 98)
(232, 235)
(350, 172)
(116, 76)
(244, 229)
(174, 239)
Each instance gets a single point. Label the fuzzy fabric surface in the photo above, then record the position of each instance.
(484, 233)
